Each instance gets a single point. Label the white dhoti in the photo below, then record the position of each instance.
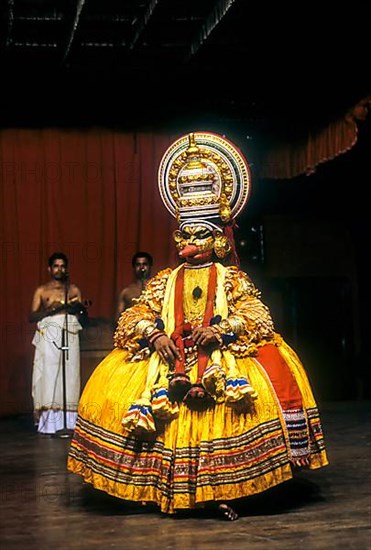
(47, 377)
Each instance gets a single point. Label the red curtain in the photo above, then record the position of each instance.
(285, 161)
(92, 194)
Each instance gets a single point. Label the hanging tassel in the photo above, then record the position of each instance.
(213, 379)
(197, 398)
(139, 419)
(162, 407)
(237, 386)
(300, 462)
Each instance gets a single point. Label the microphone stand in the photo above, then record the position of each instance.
(143, 280)
(64, 432)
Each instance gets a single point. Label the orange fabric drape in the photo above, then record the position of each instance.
(89, 193)
(282, 380)
(290, 160)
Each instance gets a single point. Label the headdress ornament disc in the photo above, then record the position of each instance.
(204, 178)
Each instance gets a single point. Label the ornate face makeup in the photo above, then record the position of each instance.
(194, 243)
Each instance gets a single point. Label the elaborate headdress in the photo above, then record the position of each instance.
(204, 180)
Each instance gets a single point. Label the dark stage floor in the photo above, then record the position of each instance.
(43, 507)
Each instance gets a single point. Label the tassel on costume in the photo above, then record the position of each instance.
(237, 387)
(162, 407)
(139, 419)
(179, 385)
(198, 399)
(213, 378)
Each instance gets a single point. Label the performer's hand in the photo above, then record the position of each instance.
(166, 349)
(203, 336)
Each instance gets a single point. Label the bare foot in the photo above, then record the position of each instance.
(227, 512)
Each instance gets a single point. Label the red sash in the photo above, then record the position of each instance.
(178, 334)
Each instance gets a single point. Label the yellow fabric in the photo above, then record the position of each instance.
(168, 313)
(221, 453)
(193, 308)
(121, 384)
(221, 304)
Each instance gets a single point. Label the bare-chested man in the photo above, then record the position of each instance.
(57, 327)
(49, 298)
(142, 263)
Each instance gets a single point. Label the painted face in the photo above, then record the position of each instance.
(194, 243)
(142, 268)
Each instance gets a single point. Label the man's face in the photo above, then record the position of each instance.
(58, 270)
(142, 268)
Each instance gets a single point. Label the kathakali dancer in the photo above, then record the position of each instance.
(201, 402)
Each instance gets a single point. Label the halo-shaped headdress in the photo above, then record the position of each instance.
(204, 179)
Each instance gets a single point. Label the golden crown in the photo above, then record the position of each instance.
(204, 179)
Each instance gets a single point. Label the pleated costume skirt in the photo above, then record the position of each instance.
(217, 454)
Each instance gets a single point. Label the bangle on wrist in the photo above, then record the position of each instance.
(142, 325)
(225, 326)
(215, 329)
(150, 329)
(237, 324)
(155, 336)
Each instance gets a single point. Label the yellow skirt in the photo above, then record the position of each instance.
(217, 454)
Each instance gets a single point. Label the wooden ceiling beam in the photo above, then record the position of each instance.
(143, 22)
(75, 22)
(216, 15)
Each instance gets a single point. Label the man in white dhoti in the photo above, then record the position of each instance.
(56, 308)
